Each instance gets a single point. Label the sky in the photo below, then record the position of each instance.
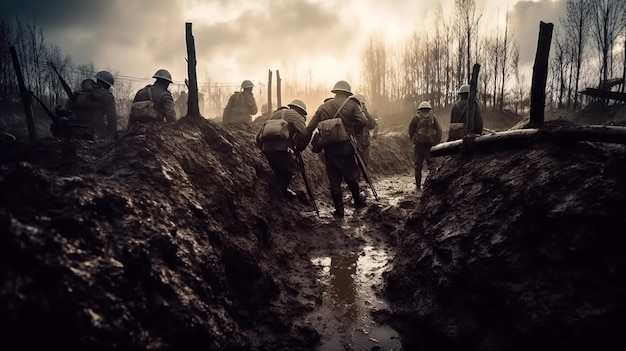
(319, 41)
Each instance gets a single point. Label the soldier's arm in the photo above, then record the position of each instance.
(360, 120)
(169, 111)
(111, 114)
(371, 121)
(412, 127)
(252, 105)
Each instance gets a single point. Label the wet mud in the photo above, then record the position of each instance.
(176, 236)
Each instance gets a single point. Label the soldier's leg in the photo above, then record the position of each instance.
(418, 161)
(333, 171)
(351, 172)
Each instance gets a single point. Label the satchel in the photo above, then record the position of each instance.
(275, 129)
(332, 131)
(144, 110)
(457, 131)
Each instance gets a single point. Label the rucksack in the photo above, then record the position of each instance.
(332, 131)
(86, 99)
(275, 129)
(144, 109)
(426, 131)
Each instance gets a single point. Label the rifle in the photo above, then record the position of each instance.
(62, 127)
(300, 163)
(361, 164)
(66, 87)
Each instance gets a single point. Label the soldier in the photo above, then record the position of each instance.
(154, 103)
(284, 131)
(94, 105)
(424, 131)
(241, 105)
(460, 113)
(339, 117)
(363, 134)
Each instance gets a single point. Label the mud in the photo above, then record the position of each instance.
(175, 236)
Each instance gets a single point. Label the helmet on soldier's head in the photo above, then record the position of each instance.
(163, 74)
(299, 104)
(247, 84)
(105, 76)
(359, 97)
(464, 89)
(342, 85)
(424, 105)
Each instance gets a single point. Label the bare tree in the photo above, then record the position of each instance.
(607, 22)
(469, 19)
(374, 68)
(576, 26)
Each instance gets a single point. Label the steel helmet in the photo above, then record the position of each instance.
(247, 84)
(298, 103)
(359, 97)
(163, 74)
(106, 77)
(424, 105)
(464, 89)
(342, 85)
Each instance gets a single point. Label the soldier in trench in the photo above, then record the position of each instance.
(339, 153)
(278, 149)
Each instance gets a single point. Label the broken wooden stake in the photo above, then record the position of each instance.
(540, 75)
(193, 109)
(25, 95)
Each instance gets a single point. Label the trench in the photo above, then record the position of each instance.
(351, 278)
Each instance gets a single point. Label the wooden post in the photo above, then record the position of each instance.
(540, 75)
(471, 101)
(192, 100)
(25, 96)
(279, 97)
(269, 92)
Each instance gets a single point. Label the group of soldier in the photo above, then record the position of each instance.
(346, 157)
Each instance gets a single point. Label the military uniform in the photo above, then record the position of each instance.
(240, 107)
(94, 106)
(278, 152)
(163, 103)
(339, 158)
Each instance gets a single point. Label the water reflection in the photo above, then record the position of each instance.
(341, 285)
(344, 319)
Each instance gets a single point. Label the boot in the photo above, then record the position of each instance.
(418, 179)
(358, 196)
(338, 202)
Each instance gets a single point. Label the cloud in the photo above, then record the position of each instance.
(524, 18)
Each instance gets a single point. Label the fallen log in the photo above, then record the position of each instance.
(523, 137)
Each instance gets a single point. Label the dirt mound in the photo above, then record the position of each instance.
(171, 236)
(519, 249)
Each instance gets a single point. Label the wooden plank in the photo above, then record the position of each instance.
(605, 94)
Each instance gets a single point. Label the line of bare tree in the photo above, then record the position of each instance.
(589, 48)
(436, 60)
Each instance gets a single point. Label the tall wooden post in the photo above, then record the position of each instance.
(279, 97)
(471, 111)
(25, 96)
(269, 92)
(540, 75)
(192, 101)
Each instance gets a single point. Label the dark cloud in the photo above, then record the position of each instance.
(525, 17)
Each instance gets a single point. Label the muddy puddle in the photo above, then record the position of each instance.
(351, 281)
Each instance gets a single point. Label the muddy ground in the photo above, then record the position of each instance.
(175, 236)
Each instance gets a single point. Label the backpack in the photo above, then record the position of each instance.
(332, 131)
(86, 99)
(144, 109)
(426, 131)
(275, 129)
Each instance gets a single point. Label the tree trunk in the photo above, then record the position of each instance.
(193, 109)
